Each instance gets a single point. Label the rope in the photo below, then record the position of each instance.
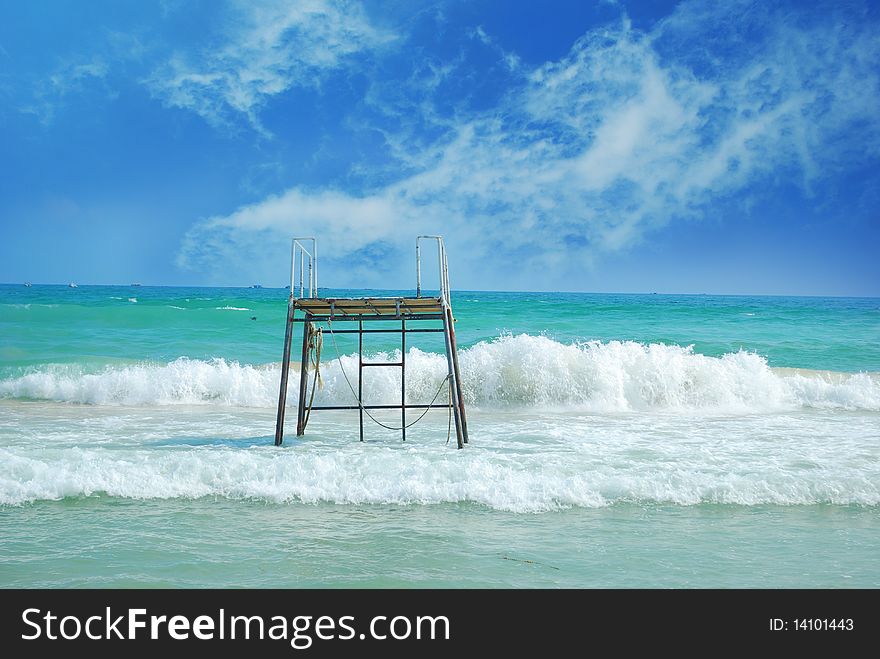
(315, 343)
(367, 412)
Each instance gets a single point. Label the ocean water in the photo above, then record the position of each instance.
(616, 441)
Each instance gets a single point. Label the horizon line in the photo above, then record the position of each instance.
(454, 290)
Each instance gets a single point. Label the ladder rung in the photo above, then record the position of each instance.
(385, 331)
(323, 318)
(409, 406)
(382, 364)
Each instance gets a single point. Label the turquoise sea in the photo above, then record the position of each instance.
(616, 441)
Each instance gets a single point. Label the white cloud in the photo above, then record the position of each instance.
(268, 48)
(626, 133)
(70, 77)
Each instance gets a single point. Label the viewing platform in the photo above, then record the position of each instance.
(318, 315)
(372, 308)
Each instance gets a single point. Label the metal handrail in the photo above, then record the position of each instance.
(300, 254)
(298, 248)
(443, 267)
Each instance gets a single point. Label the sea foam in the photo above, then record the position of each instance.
(523, 370)
(426, 475)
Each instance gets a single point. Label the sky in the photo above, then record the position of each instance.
(644, 146)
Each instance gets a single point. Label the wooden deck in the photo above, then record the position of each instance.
(371, 307)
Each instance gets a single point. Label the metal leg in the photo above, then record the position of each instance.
(403, 378)
(285, 372)
(452, 342)
(361, 375)
(456, 411)
(303, 379)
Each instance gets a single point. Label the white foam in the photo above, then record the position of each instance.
(519, 370)
(28, 305)
(626, 376)
(228, 308)
(354, 473)
(181, 382)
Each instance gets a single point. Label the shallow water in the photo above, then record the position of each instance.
(619, 441)
(216, 542)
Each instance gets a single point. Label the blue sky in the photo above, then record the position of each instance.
(611, 146)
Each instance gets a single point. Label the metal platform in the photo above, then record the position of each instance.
(314, 312)
(372, 308)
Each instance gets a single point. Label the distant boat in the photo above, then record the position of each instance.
(256, 286)
(135, 284)
(28, 284)
(71, 285)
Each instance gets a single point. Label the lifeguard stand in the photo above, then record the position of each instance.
(318, 315)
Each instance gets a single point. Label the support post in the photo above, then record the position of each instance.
(403, 378)
(303, 378)
(460, 396)
(361, 375)
(418, 270)
(456, 410)
(285, 372)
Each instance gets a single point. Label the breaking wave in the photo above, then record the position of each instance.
(523, 370)
(526, 482)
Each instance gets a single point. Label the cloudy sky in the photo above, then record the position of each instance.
(599, 146)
